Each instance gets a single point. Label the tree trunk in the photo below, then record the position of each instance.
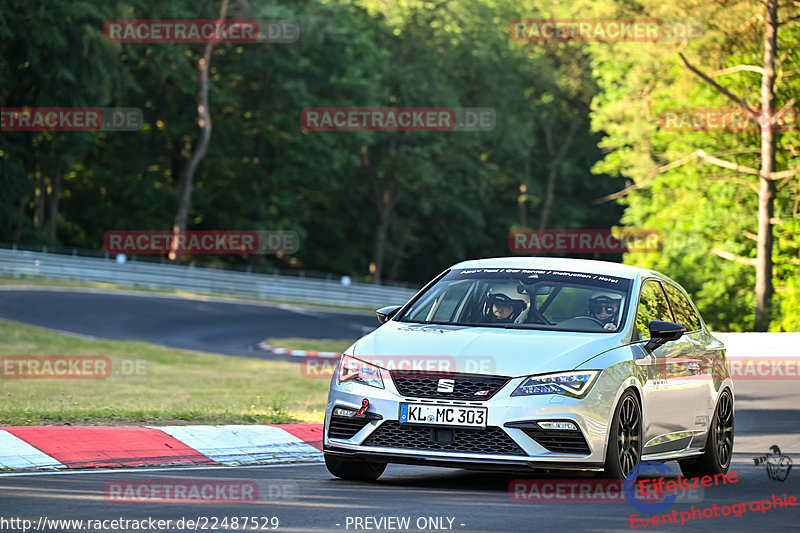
(39, 198)
(523, 191)
(766, 191)
(23, 202)
(385, 199)
(557, 156)
(204, 121)
(386, 203)
(401, 245)
(380, 243)
(52, 211)
(766, 176)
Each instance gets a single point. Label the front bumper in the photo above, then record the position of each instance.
(499, 447)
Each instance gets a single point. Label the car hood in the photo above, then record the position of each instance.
(480, 350)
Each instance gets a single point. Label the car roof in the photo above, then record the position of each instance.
(559, 263)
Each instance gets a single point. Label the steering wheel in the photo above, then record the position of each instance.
(581, 322)
(590, 318)
(540, 319)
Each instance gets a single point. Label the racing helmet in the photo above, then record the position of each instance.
(507, 294)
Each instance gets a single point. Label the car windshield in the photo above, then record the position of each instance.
(524, 299)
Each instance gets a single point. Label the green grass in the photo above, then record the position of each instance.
(174, 386)
(25, 281)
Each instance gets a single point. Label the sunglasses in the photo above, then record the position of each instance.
(608, 309)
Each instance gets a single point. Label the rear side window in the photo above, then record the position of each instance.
(682, 308)
(652, 306)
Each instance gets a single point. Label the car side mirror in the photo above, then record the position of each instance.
(385, 313)
(661, 332)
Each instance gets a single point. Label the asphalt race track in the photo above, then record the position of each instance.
(304, 497)
(206, 325)
(307, 498)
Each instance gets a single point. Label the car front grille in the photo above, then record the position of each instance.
(489, 441)
(345, 427)
(559, 441)
(421, 384)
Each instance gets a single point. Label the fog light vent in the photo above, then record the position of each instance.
(563, 426)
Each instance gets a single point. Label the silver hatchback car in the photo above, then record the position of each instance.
(543, 363)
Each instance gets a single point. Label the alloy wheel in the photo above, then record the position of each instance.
(629, 439)
(723, 430)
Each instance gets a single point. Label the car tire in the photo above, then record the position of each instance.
(624, 450)
(352, 469)
(718, 453)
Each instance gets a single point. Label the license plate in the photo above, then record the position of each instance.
(443, 415)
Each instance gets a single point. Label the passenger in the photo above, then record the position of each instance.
(604, 307)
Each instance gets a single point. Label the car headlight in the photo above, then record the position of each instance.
(355, 370)
(574, 384)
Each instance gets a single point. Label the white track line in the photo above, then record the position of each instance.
(153, 469)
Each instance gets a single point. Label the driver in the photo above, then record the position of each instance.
(507, 304)
(604, 307)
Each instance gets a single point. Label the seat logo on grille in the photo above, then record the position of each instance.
(446, 385)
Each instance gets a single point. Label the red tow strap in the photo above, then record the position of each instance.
(364, 405)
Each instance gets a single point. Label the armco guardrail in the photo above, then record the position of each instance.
(25, 264)
(760, 345)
